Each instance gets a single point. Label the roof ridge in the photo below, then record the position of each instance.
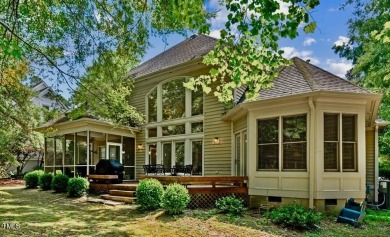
(345, 80)
(305, 72)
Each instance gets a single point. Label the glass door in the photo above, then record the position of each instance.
(240, 156)
(114, 151)
(128, 158)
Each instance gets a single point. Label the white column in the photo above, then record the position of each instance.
(88, 150)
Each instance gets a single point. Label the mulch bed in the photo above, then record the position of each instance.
(11, 182)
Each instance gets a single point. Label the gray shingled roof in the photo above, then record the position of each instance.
(194, 47)
(302, 77)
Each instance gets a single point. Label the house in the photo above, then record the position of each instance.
(46, 97)
(312, 137)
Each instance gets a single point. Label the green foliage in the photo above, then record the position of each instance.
(377, 216)
(32, 178)
(230, 205)
(149, 194)
(45, 181)
(175, 199)
(77, 187)
(60, 183)
(384, 167)
(295, 216)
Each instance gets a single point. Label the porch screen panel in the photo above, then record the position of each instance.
(173, 99)
(349, 142)
(294, 142)
(49, 151)
(81, 154)
(167, 155)
(268, 144)
(331, 142)
(69, 150)
(179, 154)
(59, 144)
(197, 157)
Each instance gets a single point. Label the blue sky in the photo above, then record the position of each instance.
(317, 46)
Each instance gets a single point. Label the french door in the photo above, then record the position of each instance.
(240, 154)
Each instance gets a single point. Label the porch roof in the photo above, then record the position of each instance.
(60, 127)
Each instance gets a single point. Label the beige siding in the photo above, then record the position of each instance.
(217, 158)
(370, 157)
(239, 124)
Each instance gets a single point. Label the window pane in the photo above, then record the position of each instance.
(197, 102)
(331, 150)
(349, 127)
(197, 157)
(179, 153)
(152, 132)
(294, 156)
(173, 130)
(49, 154)
(128, 157)
(173, 99)
(294, 128)
(331, 127)
(152, 154)
(268, 130)
(268, 157)
(349, 151)
(167, 155)
(197, 127)
(152, 106)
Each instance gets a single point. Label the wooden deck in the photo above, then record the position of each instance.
(204, 190)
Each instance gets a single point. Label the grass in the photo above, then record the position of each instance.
(44, 213)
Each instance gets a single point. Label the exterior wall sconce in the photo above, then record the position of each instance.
(140, 147)
(216, 141)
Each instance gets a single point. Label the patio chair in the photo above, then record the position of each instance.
(160, 169)
(353, 212)
(188, 169)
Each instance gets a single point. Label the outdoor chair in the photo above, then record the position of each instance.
(353, 212)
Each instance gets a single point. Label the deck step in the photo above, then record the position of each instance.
(122, 193)
(118, 198)
(125, 187)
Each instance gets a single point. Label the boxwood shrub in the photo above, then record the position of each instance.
(59, 183)
(296, 216)
(230, 205)
(175, 199)
(149, 194)
(32, 178)
(77, 187)
(45, 181)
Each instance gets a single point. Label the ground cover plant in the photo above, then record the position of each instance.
(230, 205)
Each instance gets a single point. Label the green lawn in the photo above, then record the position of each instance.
(43, 213)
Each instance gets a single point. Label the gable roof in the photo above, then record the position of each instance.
(303, 77)
(192, 48)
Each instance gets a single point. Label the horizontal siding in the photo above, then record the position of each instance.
(217, 158)
(240, 124)
(370, 157)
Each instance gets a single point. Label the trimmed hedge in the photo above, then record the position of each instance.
(149, 194)
(45, 181)
(77, 187)
(32, 178)
(60, 183)
(175, 199)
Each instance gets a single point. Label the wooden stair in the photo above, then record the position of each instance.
(121, 193)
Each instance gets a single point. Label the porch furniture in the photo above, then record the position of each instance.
(154, 169)
(186, 169)
(353, 212)
(109, 170)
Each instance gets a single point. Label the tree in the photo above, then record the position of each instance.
(369, 49)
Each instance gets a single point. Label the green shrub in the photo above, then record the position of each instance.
(384, 169)
(175, 199)
(149, 194)
(32, 178)
(295, 216)
(230, 205)
(45, 181)
(77, 187)
(59, 183)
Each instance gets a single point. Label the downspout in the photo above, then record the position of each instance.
(376, 165)
(312, 153)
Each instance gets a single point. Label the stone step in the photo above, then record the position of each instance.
(118, 198)
(122, 193)
(126, 187)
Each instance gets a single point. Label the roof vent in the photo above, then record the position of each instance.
(193, 37)
(308, 60)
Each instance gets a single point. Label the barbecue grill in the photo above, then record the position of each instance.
(110, 167)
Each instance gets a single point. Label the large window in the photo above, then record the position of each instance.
(152, 106)
(340, 142)
(282, 140)
(173, 99)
